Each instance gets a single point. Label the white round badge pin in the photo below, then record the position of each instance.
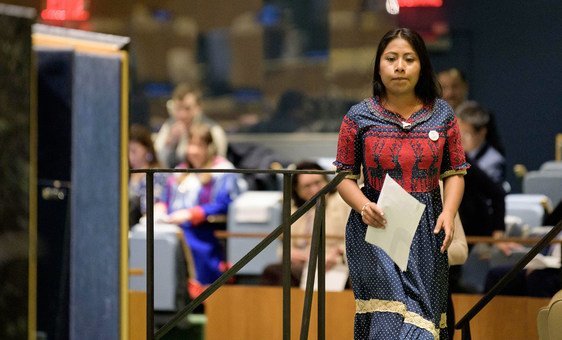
(433, 135)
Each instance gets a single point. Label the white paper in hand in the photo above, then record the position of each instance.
(402, 212)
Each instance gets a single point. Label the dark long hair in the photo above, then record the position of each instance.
(427, 88)
(305, 165)
(141, 134)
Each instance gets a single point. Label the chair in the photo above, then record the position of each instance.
(548, 319)
(514, 226)
(544, 182)
(253, 212)
(475, 269)
(246, 45)
(173, 265)
(499, 259)
(219, 55)
(551, 166)
(531, 208)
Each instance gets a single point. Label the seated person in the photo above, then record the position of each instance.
(454, 86)
(474, 123)
(305, 186)
(482, 209)
(190, 198)
(482, 213)
(142, 156)
(185, 110)
(536, 280)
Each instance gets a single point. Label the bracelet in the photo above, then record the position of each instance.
(363, 208)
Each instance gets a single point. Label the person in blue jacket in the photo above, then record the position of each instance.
(190, 198)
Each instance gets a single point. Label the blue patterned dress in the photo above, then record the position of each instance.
(391, 304)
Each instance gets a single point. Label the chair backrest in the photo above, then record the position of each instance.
(499, 259)
(475, 269)
(173, 265)
(548, 319)
(514, 226)
(254, 212)
(551, 166)
(531, 208)
(554, 317)
(548, 183)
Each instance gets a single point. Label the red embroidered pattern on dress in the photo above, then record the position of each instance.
(375, 137)
(345, 159)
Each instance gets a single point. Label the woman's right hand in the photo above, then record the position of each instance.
(373, 215)
(370, 212)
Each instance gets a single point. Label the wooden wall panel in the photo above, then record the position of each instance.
(255, 312)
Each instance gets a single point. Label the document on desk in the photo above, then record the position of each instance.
(546, 261)
(402, 212)
(335, 279)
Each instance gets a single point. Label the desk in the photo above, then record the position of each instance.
(137, 315)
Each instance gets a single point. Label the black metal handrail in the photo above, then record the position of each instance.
(464, 323)
(317, 251)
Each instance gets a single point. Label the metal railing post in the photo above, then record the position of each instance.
(311, 274)
(465, 335)
(546, 240)
(149, 256)
(287, 189)
(321, 213)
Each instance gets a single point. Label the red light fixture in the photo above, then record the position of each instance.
(65, 10)
(420, 3)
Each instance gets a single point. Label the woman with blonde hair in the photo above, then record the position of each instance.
(190, 198)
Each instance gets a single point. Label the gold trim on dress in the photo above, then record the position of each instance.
(453, 172)
(375, 305)
(443, 322)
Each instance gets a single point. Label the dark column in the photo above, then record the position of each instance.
(17, 167)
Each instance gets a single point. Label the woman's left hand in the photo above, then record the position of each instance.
(445, 222)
